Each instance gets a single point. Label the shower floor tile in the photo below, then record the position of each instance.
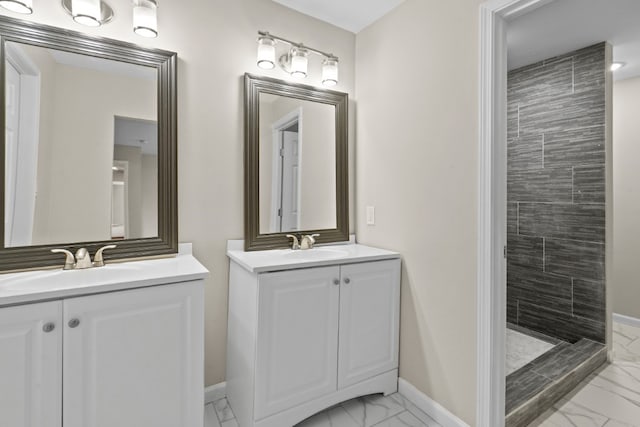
(522, 349)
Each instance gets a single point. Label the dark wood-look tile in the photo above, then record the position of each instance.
(554, 185)
(589, 299)
(521, 386)
(512, 120)
(565, 360)
(589, 184)
(563, 112)
(538, 287)
(542, 81)
(575, 147)
(525, 152)
(589, 68)
(525, 252)
(559, 324)
(563, 221)
(583, 260)
(512, 309)
(512, 218)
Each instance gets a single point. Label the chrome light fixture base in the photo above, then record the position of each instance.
(106, 12)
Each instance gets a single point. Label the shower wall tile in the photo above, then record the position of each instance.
(570, 111)
(574, 147)
(544, 81)
(559, 324)
(589, 299)
(550, 185)
(526, 252)
(589, 184)
(556, 194)
(547, 286)
(563, 221)
(512, 218)
(527, 152)
(572, 258)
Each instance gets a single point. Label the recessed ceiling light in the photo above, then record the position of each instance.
(617, 65)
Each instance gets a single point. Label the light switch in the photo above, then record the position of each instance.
(371, 215)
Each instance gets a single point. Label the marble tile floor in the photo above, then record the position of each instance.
(610, 397)
(522, 349)
(368, 411)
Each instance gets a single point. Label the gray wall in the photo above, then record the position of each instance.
(556, 195)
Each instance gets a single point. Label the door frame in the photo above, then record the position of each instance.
(277, 128)
(25, 191)
(492, 199)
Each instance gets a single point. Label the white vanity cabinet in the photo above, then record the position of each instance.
(128, 358)
(303, 339)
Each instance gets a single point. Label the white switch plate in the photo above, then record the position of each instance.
(371, 215)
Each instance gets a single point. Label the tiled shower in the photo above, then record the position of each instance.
(556, 218)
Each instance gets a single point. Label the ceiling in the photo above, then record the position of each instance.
(351, 15)
(137, 133)
(566, 25)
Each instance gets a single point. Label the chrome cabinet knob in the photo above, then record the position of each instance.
(74, 323)
(48, 327)
(336, 282)
(347, 280)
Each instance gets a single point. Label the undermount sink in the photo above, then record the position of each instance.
(315, 254)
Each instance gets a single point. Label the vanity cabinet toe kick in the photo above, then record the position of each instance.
(302, 340)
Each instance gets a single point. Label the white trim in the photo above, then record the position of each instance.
(429, 406)
(215, 392)
(276, 169)
(491, 271)
(626, 320)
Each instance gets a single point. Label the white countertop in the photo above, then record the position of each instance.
(34, 286)
(287, 259)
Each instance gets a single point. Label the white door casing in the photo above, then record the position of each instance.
(297, 342)
(131, 361)
(369, 320)
(492, 196)
(290, 182)
(31, 365)
(22, 136)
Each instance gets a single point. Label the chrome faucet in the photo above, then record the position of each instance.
(308, 240)
(82, 259)
(294, 242)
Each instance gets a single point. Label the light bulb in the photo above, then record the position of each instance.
(266, 53)
(299, 62)
(19, 6)
(86, 12)
(330, 72)
(145, 18)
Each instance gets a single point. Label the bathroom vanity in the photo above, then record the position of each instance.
(121, 345)
(308, 329)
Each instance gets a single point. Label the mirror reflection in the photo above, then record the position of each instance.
(297, 164)
(81, 153)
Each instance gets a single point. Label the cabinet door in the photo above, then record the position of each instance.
(297, 338)
(369, 320)
(135, 358)
(31, 365)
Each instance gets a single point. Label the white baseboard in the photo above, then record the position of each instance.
(429, 406)
(215, 392)
(626, 320)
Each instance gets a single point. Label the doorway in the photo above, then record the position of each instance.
(285, 192)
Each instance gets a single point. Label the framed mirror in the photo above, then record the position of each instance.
(296, 163)
(88, 148)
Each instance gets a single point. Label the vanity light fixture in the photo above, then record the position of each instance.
(92, 13)
(266, 52)
(145, 18)
(19, 6)
(296, 60)
(617, 65)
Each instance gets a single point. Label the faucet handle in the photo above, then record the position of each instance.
(98, 260)
(308, 240)
(69, 262)
(294, 244)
